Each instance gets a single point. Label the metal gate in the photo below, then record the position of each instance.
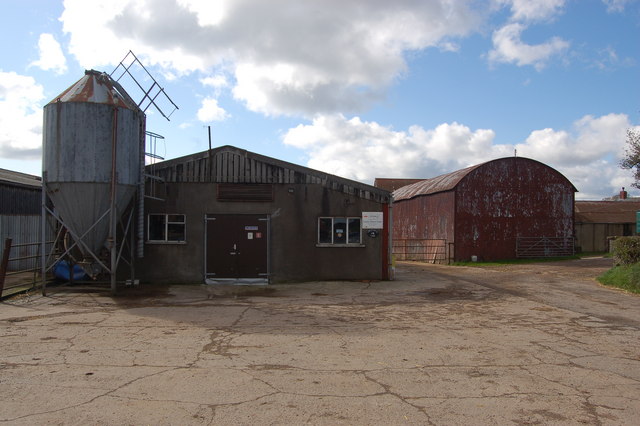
(236, 249)
(538, 247)
(422, 250)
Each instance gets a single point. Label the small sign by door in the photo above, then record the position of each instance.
(372, 220)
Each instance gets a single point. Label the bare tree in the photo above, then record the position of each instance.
(631, 158)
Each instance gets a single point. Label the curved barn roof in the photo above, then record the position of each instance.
(449, 181)
(440, 183)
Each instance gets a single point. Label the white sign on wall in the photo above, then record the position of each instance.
(372, 220)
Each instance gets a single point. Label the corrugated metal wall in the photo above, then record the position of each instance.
(15, 199)
(507, 199)
(22, 229)
(20, 208)
(428, 217)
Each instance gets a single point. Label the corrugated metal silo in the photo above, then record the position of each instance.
(91, 138)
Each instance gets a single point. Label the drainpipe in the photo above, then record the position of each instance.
(140, 227)
(43, 229)
(392, 264)
(112, 216)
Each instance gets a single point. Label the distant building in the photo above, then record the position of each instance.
(505, 208)
(20, 193)
(20, 207)
(597, 221)
(393, 184)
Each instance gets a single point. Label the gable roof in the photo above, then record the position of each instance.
(606, 211)
(228, 164)
(20, 179)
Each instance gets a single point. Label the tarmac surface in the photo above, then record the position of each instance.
(441, 345)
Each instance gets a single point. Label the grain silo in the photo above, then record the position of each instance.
(93, 151)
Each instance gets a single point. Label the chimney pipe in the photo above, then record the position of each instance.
(623, 194)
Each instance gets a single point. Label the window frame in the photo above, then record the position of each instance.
(166, 224)
(321, 241)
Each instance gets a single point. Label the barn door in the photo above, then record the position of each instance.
(237, 249)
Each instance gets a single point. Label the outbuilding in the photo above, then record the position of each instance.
(228, 215)
(20, 208)
(597, 222)
(505, 208)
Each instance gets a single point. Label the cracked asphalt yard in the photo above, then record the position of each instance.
(522, 344)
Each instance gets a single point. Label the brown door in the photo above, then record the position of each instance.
(237, 247)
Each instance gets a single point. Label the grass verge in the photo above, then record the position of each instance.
(625, 277)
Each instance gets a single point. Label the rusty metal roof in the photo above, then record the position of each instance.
(607, 211)
(391, 184)
(96, 87)
(440, 183)
(449, 181)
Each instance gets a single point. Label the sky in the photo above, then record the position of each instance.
(357, 88)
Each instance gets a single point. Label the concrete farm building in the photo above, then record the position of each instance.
(230, 215)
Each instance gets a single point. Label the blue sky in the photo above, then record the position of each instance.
(361, 89)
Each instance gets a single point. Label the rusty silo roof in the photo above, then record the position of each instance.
(440, 183)
(96, 87)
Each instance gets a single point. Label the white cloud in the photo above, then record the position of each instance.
(538, 10)
(366, 150)
(342, 57)
(616, 5)
(51, 56)
(509, 48)
(211, 111)
(209, 13)
(587, 154)
(217, 81)
(591, 139)
(20, 116)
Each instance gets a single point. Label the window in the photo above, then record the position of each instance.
(339, 230)
(167, 228)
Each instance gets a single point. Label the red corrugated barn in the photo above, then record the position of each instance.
(502, 209)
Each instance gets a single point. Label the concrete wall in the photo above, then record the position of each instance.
(294, 226)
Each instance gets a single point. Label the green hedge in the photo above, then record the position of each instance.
(626, 250)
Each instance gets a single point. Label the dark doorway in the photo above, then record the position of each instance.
(237, 248)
